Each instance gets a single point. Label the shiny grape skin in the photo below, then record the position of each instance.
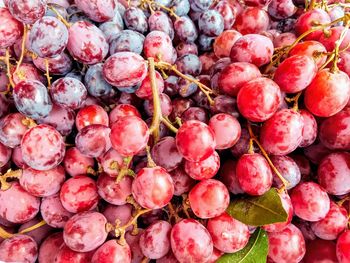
(205, 169)
(48, 37)
(155, 240)
(124, 69)
(320, 250)
(68, 92)
(50, 247)
(229, 177)
(135, 19)
(195, 141)
(191, 241)
(333, 173)
(112, 252)
(310, 201)
(161, 21)
(182, 181)
(27, 206)
(19, 248)
(211, 23)
(288, 169)
(343, 63)
(79, 194)
(253, 20)
(42, 183)
(189, 64)
(282, 133)
(10, 29)
(224, 42)
(95, 83)
(34, 147)
(66, 255)
(145, 89)
(252, 48)
(75, 163)
(309, 48)
(281, 9)
(333, 224)
(342, 248)
(27, 72)
(328, 93)
(309, 130)
(259, 99)
(53, 212)
(185, 29)
(209, 198)
(27, 11)
(129, 135)
(59, 65)
(92, 114)
(88, 35)
(153, 188)
(97, 10)
(254, 174)
(122, 110)
(12, 129)
(286, 246)
(23, 95)
(333, 35)
(127, 40)
(334, 131)
(295, 73)
(85, 231)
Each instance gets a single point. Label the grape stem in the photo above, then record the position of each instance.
(207, 91)
(337, 46)
(264, 153)
(342, 201)
(150, 162)
(157, 111)
(30, 123)
(4, 234)
(295, 99)
(8, 67)
(9, 174)
(36, 226)
(169, 125)
(152, 2)
(47, 73)
(186, 205)
(172, 213)
(145, 260)
(23, 47)
(125, 170)
(60, 17)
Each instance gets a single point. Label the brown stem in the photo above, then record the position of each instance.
(9, 174)
(60, 17)
(173, 213)
(264, 153)
(125, 170)
(169, 125)
(4, 234)
(150, 162)
(186, 205)
(8, 67)
(23, 46)
(337, 46)
(295, 99)
(30, 123)
(40, 224)
(47, 73)
(342, 201)
(157, 111)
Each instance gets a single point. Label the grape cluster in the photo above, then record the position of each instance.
(159, 130)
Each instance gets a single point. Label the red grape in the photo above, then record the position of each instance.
(53, 212)
(10, 29)
(182, 181)
(342, 249)
(288, 169)
(320, 251)
(145, 89)
(112, 252)
(5, 155)
(49, 248)
(310, 48)
(19, 248)
(229, 178)
(75, 163)
(158, 45)
(224, 42)
(333, 34)
(59, 65)
(253, 20)
(97, 10)
(309, 129)
(122, 110)
(92, 114)
(27, 11)
(66, 255)
(205, 169)
(281, 9)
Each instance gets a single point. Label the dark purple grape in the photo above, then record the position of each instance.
(170, 85)
(186, 48)
(186, 88)
(95, 83)
(127, 40)
(189, 64)
(205, 43)
(211, 23)
(185, 29)
(135, 19)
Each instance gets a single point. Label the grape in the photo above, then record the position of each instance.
(35, 144)
(320, 250)
(4, 105)
(135, 19)
(68, 92)
(310, 48)
(26, 208)
(79, 194)
(59, 65)
(185, 87)
(282, 133)
(120, 212)
(53, 212)
(158, 45)
(342, 248)
(129, 135)
(5, 155)
(224, 42)
(259, 99)
(195, 113)
(112, 252)
(145, 89)
(205, 169)
(189, 64)
(209, 198)
(42, 183)
(343, 63)
(288, 169)
(308, 20)
(328, 93)
(27, 72)
(195, 141)
(165, 105)
(32, 99)
(309, 129)
(295, 73)
(86, 35)
(253, 20)
(48, 37)
(211, 23)
(227, 13)
(124, 69)
(229, 178)
(17, 158)
(334, 131)
(97, 10)
(333, 173)
(75, 163)
(168, 258)
(19, 248)
(123, 110)
(234, 76)
(181, 7)
(27, 11)
(333, 224)
(153, 188)
(284, 39)
(332, 36)
(287, 245)
(66, 255)
(155, 240)
(93, 140)
(10, 29)
(310, 201)
(185, 49)
(127, 40)
(254, 174)
(160, 21)
(165, 154)
(37, 234)
(50, 246)
(85, 231)
(205, 43)
(182, 181)
(229, 235)
(191, 241)
(281, 9)
(185, 29)
(12, 130)
(133, 241)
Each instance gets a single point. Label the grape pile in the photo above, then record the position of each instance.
(166, 131)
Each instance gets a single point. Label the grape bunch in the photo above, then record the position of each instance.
(174, 131)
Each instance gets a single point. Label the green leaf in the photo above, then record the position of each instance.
(259, 210)
(254, 252)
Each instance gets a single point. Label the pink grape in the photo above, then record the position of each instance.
(19, 248)
(75, 163)
(205, 169)
(49, 248)
(112, 252)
